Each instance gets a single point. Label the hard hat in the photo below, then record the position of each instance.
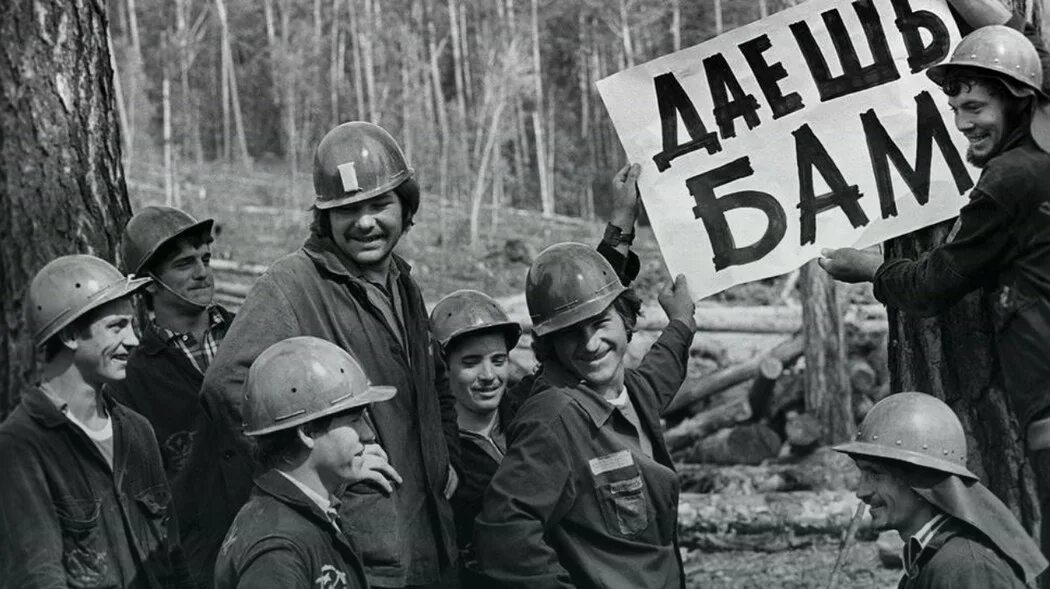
(996, 49)
(567, 283)
(466, 311)
(357, 161)
(150, 229)
(915, 428)
(70, 286)
(300, 379)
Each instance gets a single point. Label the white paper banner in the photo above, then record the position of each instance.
(815, 127)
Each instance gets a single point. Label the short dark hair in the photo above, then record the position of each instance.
(456, 342)
(628, 306)
(166, 252)
(965, 78)
(407, 192)
(284, 446)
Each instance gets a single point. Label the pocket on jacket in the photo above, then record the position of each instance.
(624, 506)
(83, 556)
(371, 520)
(155, 502)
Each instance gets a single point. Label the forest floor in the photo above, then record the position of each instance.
(802, 568)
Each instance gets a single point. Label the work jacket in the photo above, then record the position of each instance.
(164, 387)
(1003, 245)
(959, 557)
(407, 538)
(281, 538)
(69, 519)
(574, 502)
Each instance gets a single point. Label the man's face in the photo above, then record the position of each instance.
(101, 350)
(893, 504)
(981, 116)
(337, 453)
(367, 231)
(594, 350)
(188, 273)
(478, 370)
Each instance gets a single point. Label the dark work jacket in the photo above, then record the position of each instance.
(69, 520)
(478, 463)
(959, 557)
(407, 538)
(1003, 245)
(573, 505)
(281, 538)
(164, 387)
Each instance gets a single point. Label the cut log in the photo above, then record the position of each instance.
(775, 518)
(762, 387)
(694, 390)
(823, 470)
(803, 432)
(744, 444)
(735, 409)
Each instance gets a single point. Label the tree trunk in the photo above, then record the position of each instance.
(546, 201)
(953, 357)
(828, 395)
(62, 188)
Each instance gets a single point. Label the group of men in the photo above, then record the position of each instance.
(334, 434)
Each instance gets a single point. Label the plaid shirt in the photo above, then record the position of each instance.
(199, 353)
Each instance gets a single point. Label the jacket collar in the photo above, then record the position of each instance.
(43, 410)
(278, 486)
(553, 374)
(327, 256)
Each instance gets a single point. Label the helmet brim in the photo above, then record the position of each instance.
(1040, 126)
(582, 312)
(364, 195)
(865, 449)
(112, 292)
(1019, 88)
(373, 394)
(208, 224)
(510, 329)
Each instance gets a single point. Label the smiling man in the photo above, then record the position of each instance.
(185, 325)
(84, 501)
(995, 86)
(911, 452)
(587, 494)
(346, 285)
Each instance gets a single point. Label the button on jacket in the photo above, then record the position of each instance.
(70, 520)
(281, 538)
(575, 502)
(407, 538)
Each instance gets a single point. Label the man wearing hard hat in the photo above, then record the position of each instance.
(184, 329)
(84, 501)
(305, 402)
(346, 285)
(911, 452)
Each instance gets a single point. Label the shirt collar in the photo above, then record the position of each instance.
(324, 252)
(915, 545)
(596, 406)
(324, 503)
(215, 319)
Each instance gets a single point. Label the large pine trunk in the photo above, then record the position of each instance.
(62, 187)
(953, 356)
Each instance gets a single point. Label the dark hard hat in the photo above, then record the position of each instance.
(150, 230)
(70, 286)
(914, 428)
(300, 379)
(357, 161)
(567, 283)
(468, 311)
